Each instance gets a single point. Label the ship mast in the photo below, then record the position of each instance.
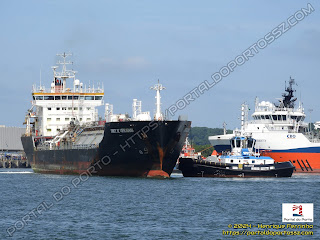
(65, 74)
(158, 87)
(288, 97)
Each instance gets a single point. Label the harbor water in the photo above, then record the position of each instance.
(41, 206)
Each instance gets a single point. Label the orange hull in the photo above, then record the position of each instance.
(304, 162)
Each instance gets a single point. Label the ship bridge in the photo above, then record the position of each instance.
(66, 100)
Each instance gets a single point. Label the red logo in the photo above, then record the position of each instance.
(297, 210)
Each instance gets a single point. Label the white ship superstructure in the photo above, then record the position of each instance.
(280, 131)
(66, 100)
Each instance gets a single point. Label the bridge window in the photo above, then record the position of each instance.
(274, 117)
(262, 117)
(267, 117)
(48, 98)
(64, 97)
(75, 97)
(98, 97)
(81, 97)
(69, 97)
(298, 119)
(57, 98)
(39, 97)
(238, 143)
(284, 117)
(89, 98)
(232, 143)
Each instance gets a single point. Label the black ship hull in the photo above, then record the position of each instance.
(137, 148)
(201, 168)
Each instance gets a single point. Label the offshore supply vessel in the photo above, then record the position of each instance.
(280, 131)
(64, 134)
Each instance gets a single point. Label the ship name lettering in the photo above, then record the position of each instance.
(122, 130)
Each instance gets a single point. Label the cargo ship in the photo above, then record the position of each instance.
(64, 134)
(280, 131)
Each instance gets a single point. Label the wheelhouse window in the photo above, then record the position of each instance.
(69, 97)
(48, 97)
(98, 97)
(238, 143)
(274, 117)
(39, 97)
(284, 117)
(232, 143)
(250, 142)
(75, 97)
(89, 98)
(64, 97)
(57, 98)
(267, 117)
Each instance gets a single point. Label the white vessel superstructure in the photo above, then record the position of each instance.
(280, 132)
(66, 100)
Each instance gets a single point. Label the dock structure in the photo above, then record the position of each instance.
(11, 150)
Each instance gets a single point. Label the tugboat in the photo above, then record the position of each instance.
(242, 161)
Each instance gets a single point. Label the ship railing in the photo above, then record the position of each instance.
(67, 147)
(42, 89)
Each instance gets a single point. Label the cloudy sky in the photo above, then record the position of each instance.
(129, 45)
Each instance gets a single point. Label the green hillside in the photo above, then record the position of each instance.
(199, 135)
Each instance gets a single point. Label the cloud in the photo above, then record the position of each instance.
(135, 62)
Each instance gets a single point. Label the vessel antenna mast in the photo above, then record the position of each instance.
(158, 87)
(65, 74)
